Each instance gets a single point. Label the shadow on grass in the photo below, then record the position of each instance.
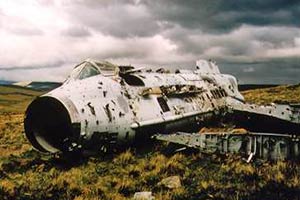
(32, 159)
(276, 191)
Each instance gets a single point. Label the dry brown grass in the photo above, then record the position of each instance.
(280, 94)
(27, 174)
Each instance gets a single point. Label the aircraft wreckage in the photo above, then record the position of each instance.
(102, 106)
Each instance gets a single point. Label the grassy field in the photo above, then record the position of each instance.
(27, 174)
(280, 94)
(14, 99)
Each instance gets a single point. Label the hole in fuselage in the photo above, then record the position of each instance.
(48, 125)
(133, 80)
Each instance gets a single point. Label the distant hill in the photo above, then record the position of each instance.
(40, 86)
(2, 82)
(34, 85)
(15, 99)
(283, 94)
(244, 87)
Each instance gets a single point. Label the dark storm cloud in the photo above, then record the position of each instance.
(225, 15)
(244, 41)
(273, 71)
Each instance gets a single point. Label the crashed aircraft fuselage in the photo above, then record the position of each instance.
(102, 105)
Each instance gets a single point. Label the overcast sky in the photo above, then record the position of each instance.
(256, 40)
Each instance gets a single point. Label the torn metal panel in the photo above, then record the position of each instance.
(171, 90)
(261, 145)
(149, 91)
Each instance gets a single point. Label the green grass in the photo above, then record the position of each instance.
(27, 174)
(15, 99)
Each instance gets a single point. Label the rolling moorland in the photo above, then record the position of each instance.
(27, 174)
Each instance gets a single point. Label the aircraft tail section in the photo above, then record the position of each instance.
(205, 66)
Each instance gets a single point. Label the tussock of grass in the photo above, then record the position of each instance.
(124, 158)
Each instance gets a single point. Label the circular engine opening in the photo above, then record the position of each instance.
(48, 125)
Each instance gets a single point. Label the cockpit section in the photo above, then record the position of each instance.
(88, 71)
(90, 68)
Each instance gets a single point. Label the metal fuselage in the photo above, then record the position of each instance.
(106, 109)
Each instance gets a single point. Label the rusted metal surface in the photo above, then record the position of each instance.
(107, 104)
